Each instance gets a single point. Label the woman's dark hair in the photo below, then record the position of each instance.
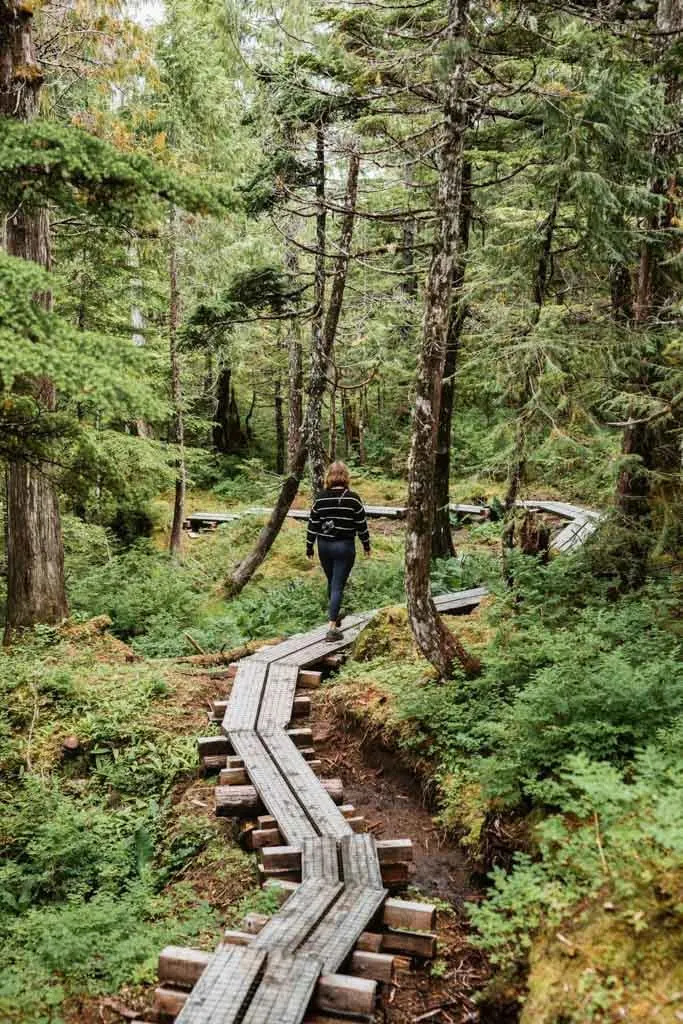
(338, 475)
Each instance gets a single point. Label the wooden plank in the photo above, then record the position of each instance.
(301, 707)
(308, 679)
(420, 944)
(378, 966)
(320, 808)
(278, 696)
(223, 989)
(213, 763)
(299, 737)
(181, 965)
(320, 859)
(168, 1002)
(394, 851)
(213, 746)
(259, 838)
(235, 937)
(469, 510)
(285, 991)
(281, 857)
(305, 907)
(409, 915)
(245, 698)
(337, 933)
(460, 599)
(316, 652)
(237, 801)
(359, 862)
(339, 993)
(276, 793)
(290, 650)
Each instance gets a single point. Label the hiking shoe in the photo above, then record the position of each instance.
(333, 635)
(339, 619)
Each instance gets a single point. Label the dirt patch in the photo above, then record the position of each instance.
(395, 805)
(393, 802)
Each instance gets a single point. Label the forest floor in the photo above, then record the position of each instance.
(111, 851)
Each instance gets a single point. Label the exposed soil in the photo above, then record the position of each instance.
(395, 806)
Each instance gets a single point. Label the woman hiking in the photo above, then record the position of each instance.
(336, 517)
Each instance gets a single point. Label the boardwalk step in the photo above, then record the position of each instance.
(244, 801)
(181, 968)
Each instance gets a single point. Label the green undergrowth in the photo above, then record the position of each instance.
(154, 600)
(105, 855)
(568, 746)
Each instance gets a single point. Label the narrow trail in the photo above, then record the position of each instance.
(333, 877)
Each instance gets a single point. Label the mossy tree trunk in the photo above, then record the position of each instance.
(178, 425)
(434, 640)
(442, 542)
(35, 554)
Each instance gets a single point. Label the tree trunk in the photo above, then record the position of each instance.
(442, 541)
(540, 285)
(316, 450)
(434, 640)
(228, 436)
(409, 283)
(651, 449)
(35, 554)
(279, 428)
(295, 371)
(312, 427)
(178, 426)
(333, 420)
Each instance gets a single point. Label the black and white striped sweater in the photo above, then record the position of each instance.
(346, 510)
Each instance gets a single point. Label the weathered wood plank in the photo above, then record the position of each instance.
(320, 808)
(182, 965)
(394, 851)
(320, 859)
(305, 907)
(245, 698)
(285, 991)
(337, 933)
(409, 915)
(359, 862)
(339, 993)
(222, 991)
(277, 794)
(278, 696)
(291, 650)
(460, 600)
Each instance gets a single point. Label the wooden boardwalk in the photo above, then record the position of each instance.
(294, 957)
(334, 880)
(582, 521)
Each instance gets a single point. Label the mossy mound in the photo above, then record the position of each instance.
(387, 633)
(601, 969)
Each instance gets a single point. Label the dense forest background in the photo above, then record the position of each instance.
(441, 241)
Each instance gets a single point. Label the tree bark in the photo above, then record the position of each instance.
(651, 449)
(279, 428)
(316, 450)
(295, 371)
(178, 425)
(35, 554)
(540, 285)
(312, 426)
(432, 637)
(228, 436)
(442, 542)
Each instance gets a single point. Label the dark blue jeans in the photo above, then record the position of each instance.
(337, 555)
